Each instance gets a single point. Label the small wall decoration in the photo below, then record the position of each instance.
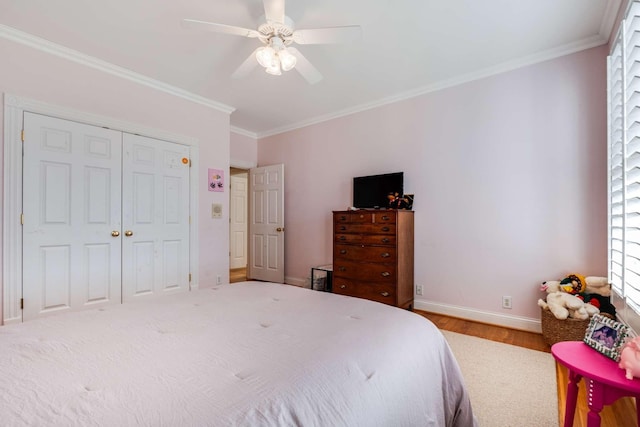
(606, 336)
(216, 180)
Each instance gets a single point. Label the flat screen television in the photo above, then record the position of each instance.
(371, 191)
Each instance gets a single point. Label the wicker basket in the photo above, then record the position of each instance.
(555, 330)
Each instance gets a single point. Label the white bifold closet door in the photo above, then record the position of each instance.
(155, 216)
(106, 216)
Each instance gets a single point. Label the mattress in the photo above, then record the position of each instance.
(242, 354)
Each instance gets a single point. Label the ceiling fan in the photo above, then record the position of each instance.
(277, 34)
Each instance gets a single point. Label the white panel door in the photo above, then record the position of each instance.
(266, 224)
(238, 221)
(72, 215)
(155, 215)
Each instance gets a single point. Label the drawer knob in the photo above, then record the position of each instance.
(343, 238)
(343, 251)
(385, 240)
(361, 216)
(384, 294)
(343, 286)
(385, 228)
(342, 228)
(386, 218)
(342, 269)
(385, 255)
(385, 274)
(343, 218)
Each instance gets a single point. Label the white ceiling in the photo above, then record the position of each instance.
(408, 47)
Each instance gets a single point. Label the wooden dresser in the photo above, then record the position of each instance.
(373, 255)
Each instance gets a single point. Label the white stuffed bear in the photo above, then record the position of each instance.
(563, 304)
(598, 285)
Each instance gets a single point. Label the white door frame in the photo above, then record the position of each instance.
(14, 108)
(233, 216)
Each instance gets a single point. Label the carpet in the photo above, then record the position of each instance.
(509, 386)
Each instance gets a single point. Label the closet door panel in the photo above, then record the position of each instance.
(71, 205)
(155, 196)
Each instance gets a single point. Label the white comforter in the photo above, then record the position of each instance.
(248, 354)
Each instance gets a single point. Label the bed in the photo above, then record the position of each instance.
(243, 354)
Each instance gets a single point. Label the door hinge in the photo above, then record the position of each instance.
(189, 276)
(189, 162)
(21, 303)
(189, 219)
(21, 219)
(22, 135)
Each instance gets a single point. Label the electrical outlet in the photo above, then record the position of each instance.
(418, 289)
(218, 279)
(506, 302)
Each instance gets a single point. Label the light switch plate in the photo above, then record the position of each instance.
(216, 210)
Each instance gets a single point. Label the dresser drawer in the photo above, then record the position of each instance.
(384, 293)
(384, 217)
(353, 217)
(366, 253)
(365, 228)
(367, 239)
(364, 271)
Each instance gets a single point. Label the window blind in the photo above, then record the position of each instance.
(623, 87)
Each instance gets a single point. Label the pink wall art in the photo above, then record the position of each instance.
(216, 180)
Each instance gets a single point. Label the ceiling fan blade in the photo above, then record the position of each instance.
(219, 28)
(246, 67)
(328, 35)
(305, 68)
(274, 10)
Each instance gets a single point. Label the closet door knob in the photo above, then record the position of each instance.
(115, 233)
(128, 233)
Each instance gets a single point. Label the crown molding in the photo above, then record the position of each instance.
(243, 132)
(43, 45)
(609, 18)
(547, 55)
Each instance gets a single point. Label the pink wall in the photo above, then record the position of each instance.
(244, 151)
(509, 176)
(30, 73)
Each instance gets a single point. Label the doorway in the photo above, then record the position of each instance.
(238, 224)
(107, 216)
(15, 107)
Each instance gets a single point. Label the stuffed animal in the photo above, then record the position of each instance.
(630, 358)
(577, 284)
(563, 304)
(592, 290)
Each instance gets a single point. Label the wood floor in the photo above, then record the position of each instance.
(621, 414)
(237, 275)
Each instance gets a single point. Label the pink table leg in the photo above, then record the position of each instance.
(595, 398)
(572, 397)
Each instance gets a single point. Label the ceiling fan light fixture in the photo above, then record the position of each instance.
(287, 59)
(274, 69)
(266, 56)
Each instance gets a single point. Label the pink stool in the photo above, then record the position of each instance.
(605, 381)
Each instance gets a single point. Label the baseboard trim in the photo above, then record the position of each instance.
(514, 322)
(302, 283)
